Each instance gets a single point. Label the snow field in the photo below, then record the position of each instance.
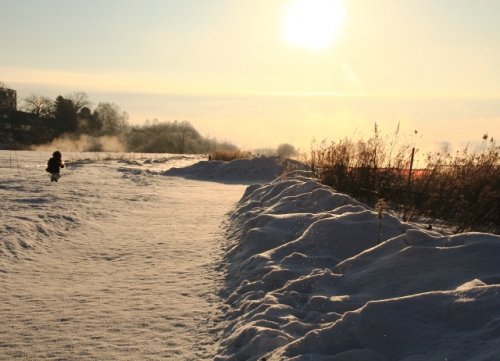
(114, 262)
(123, 260)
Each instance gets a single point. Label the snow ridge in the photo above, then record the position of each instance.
(242, 171)
(308, 281)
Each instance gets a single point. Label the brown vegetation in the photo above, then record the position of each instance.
(229, 155)
(461, 191)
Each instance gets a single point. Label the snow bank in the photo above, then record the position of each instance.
(261, 169)
(308, 280)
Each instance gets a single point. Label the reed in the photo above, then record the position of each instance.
(459, 191)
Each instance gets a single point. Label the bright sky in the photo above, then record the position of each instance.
(264, 72)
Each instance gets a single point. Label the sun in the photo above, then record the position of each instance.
(313, 24)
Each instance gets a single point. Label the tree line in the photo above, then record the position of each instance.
(73, 116)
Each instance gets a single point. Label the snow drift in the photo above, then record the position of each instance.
(261, 169)
(308, 280)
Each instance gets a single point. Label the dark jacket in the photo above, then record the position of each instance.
(54, 164)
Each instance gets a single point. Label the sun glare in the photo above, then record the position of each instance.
(313, 24)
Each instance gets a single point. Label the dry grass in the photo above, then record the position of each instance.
(228, 155)
(461, 190)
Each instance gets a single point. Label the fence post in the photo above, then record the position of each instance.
(411, 169)
(18, 167)
(408, 186)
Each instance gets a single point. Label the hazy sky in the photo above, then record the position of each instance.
(263, 72)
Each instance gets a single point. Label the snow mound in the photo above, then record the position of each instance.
(261, 169)
(310, 277)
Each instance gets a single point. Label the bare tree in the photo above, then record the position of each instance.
(2, 85)
(38, 105)
(110, 118)
(184, 128)
(80, 100)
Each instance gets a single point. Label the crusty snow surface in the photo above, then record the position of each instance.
(125, 260)
(113, 262)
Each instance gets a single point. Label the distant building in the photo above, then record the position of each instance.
(20, 129)
(8, 99)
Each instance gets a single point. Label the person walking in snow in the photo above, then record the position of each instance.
(53, 166)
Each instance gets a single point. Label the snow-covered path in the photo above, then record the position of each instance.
(111, 263)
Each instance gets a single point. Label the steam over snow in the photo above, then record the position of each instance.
(125, 259)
